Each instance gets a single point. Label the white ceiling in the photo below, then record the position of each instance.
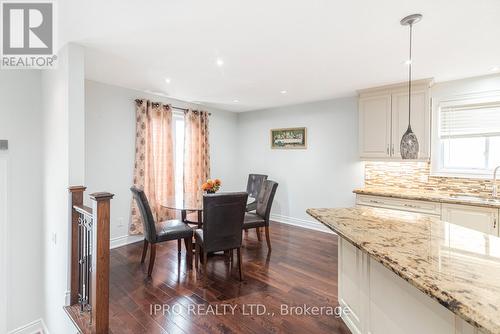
(313, 49)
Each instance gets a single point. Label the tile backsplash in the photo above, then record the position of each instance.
(415, 176)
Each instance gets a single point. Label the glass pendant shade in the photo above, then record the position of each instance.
(409, 145)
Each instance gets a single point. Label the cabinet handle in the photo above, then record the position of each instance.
(411, 206)
(376, 202)
(392, 149)
(495, 223)
(387, 149)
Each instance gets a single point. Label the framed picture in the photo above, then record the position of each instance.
(290, 138)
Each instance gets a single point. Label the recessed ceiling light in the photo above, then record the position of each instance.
(236, 101)
(167, 80)
(219, 62)
(495, 69)
(283, 92)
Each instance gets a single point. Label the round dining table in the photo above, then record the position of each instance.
(187, 203)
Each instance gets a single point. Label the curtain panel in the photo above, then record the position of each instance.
(196, 152)
(154, 160)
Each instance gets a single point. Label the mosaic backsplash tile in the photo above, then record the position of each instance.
(415, 176)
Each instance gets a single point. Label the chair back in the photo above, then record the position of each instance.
(223, 216)
(148, 221)
(265, 199)
(254, 184)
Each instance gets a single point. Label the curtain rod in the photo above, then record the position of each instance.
(171, 106)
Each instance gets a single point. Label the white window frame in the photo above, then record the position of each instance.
(437, 168)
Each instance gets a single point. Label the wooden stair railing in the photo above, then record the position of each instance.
(90, 241)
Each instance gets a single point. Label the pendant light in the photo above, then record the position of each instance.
(409, 143)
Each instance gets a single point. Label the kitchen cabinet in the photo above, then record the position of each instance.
(383, 119)
(424, 207)
(483, 219)
(477, 218)
(375, 126)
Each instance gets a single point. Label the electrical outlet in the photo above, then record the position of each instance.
(119, 222)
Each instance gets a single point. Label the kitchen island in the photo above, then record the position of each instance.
(391, 262)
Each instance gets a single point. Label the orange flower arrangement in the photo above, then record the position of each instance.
(211, 186)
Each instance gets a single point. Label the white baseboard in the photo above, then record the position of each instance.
(309, 224)
(124, 240)
(35, 327)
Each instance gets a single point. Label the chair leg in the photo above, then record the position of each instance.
(144, 250)
(239, 263)
(152, 257)
(179, 249)
(268, 239)
(197, 256)
(205, 263)
(189, 252)
(258, 233)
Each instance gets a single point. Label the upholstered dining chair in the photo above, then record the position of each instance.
(263, 211)
(222, 226)
(162, 231)
(254, 184)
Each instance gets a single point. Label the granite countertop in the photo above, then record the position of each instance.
(457, 266)
(432, 196)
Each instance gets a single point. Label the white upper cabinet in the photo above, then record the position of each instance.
(383, 119)
(375, 126)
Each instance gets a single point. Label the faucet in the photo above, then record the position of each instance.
(495, 188)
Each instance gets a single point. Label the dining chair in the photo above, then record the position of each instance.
(263, 211)
(163, 231)
(223, 216)
(254, 184)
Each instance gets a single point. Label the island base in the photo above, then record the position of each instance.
(377, 301)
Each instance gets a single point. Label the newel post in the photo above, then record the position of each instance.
(76, 198)
(100, 261)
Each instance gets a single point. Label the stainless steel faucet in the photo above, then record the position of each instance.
(495, 188)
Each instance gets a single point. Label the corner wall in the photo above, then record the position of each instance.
(63, 156)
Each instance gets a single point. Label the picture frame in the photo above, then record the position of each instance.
(289, 138)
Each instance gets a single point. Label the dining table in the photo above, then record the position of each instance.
(185, 203)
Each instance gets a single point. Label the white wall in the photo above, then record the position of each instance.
(110, 146)
(20, 119)
(63, 156)
(323, 175)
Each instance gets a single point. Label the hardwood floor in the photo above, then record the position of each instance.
(302, 269)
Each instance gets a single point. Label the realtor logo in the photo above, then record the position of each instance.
(27, 34)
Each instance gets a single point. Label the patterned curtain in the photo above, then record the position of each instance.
(196, 152)
(154, 160)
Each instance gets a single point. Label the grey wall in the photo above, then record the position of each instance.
(323, 175)
(110, 145)
(20, 123)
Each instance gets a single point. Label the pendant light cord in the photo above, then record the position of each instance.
(409, 80)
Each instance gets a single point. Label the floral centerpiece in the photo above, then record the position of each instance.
(211, 186)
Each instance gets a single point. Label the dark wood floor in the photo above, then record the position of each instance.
(301, 269)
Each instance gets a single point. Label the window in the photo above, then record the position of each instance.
(468, 137)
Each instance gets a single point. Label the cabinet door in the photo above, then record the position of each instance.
(420, 121)
(477, 218)
(375, 126)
